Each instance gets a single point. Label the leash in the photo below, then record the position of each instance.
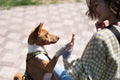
(47, 56)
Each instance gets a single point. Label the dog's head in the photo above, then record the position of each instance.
(41, 36)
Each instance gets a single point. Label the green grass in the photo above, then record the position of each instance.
(13, 3)
(53, 2)
(77, 0)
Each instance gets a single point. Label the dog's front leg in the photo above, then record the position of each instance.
(44, 64)
(50, 66)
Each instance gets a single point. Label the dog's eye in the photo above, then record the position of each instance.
(46, 35)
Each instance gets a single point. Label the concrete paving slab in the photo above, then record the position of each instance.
(60, 19)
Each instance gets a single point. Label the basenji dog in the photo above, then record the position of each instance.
(39, 66)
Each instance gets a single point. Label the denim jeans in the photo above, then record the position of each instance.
(60, 73)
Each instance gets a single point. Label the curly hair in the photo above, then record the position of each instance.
(114, 6)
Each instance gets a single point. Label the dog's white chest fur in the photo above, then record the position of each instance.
(34, 48)
(42, 56)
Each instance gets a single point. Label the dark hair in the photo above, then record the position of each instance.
(115, 7)
(113, 4)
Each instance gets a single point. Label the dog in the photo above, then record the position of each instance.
(39, 66)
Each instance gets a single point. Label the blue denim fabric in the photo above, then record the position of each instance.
(60, 73)
(66, 54)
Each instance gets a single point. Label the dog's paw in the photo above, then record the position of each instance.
(64, 51)
(60, 52)
(67, 49)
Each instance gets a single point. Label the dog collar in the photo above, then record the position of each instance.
(35, 50)
(38, 52)
(33, 54)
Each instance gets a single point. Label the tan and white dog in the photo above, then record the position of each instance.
(38, 64)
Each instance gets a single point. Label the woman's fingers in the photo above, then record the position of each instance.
(73, 38)
(70, 45)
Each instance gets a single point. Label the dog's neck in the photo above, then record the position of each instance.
(34, 48)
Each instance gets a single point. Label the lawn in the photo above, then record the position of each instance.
(12, 3)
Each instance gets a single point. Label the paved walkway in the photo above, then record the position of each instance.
(17, 23)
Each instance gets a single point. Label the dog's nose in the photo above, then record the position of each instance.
(58, 38)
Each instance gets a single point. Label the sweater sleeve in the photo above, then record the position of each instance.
(92, 63)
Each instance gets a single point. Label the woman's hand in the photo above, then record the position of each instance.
(99, 25)
(70, 45)
(66, 51)
(69, 48)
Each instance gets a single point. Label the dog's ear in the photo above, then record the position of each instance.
(33, 36)
(40, 25)
(38, 28)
